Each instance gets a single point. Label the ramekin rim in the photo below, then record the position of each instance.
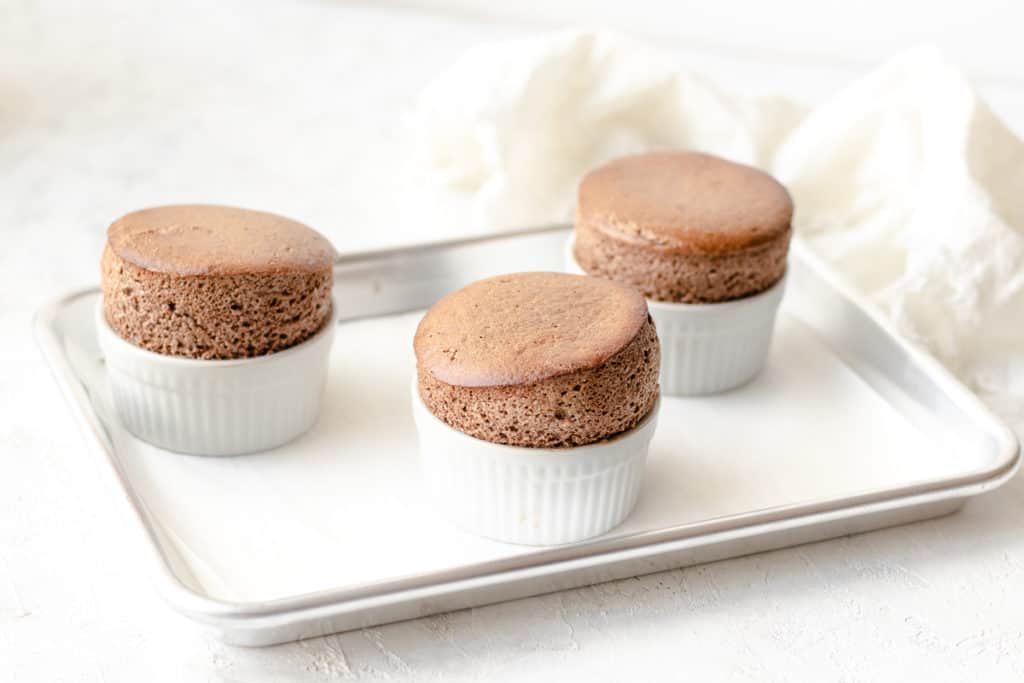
(716, 306)
(104, 328)
(649, 420)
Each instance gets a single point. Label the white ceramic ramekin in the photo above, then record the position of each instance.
(531, 496)
(709, 348)
(216, 407)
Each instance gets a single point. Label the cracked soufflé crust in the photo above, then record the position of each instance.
(683, 226)
(542, 360)
(212, 282)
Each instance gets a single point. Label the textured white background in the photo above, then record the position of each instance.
(296, 107)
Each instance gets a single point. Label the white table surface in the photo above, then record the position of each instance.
(296, 107)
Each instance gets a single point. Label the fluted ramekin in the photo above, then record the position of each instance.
(531, 496)
(216, 407)
(710, 348)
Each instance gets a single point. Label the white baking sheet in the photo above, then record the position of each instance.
(342, 505)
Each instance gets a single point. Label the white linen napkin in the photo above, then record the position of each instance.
(905, 181)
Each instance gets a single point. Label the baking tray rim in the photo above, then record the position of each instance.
(211, 610)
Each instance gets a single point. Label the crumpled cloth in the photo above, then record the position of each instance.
(905, 181)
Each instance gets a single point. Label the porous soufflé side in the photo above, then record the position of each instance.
(542, 360)
(213, 282)
(683, 227)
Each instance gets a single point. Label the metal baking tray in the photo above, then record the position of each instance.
(849, 428)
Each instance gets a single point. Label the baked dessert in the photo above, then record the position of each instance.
(683, 226)
(706, 241)
(215, 327)
(539, 360)
(215, 282)
(535, 402)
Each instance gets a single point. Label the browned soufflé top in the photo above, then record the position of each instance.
(203, 239)
(214, 282)
(683, 227)
(539, 359)
(526, 327)
(687, 202)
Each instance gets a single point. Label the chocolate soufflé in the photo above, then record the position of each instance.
(542, 360)
(683, 227)
(215, 282)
